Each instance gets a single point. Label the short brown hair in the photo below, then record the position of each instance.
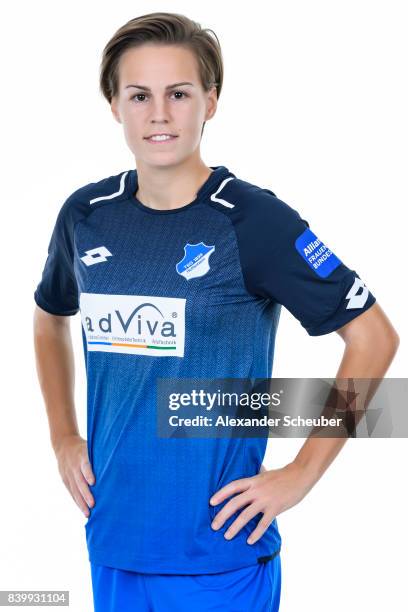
(165, 29)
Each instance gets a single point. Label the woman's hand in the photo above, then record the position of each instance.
(270, 492)
(76, 471)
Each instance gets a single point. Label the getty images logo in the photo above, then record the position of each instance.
(143, 325)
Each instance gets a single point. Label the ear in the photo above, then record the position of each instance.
(211, 102)
(114, 109)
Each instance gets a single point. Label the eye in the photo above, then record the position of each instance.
(138, 96)
(182, 93)
(144, 96)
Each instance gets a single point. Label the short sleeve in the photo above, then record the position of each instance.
(57, 292)
(283, 260)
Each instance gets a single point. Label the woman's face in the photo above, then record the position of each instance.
(160, 92)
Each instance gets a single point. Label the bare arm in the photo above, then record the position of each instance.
(370, 345)
(56, 374)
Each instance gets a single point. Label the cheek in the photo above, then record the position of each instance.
(133, 115)
(189, 119)
(134, 122)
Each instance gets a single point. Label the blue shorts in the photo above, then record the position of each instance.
(255, 588)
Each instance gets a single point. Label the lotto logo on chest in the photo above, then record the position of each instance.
(135, 325)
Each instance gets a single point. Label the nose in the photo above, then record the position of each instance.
(160, 111)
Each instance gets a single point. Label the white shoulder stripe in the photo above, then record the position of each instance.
(220, 200)
(112, 195)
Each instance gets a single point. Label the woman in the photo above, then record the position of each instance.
(179, 270)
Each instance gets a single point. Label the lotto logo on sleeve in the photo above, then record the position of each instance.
(320, 258)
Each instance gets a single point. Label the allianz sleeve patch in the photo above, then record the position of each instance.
(316, 254)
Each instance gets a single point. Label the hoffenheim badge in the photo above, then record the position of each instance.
(195, 260)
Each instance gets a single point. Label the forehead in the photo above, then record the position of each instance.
(157, 65)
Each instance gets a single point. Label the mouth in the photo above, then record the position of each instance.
(160, 138)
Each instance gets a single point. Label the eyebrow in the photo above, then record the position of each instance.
(167, 87)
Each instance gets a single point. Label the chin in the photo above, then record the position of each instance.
(161, 161)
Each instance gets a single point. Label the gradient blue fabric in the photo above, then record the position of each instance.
(193, 292)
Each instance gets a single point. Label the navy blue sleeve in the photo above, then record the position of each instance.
(283, 260)
(57, 292)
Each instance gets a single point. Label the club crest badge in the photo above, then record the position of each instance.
(195, 260)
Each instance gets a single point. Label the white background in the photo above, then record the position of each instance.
(314, 107)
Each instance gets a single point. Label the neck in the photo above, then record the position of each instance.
(170, 187)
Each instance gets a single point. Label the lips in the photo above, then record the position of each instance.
(150, 140)
(161, 134)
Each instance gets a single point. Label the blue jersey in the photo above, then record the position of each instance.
(193, 292)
